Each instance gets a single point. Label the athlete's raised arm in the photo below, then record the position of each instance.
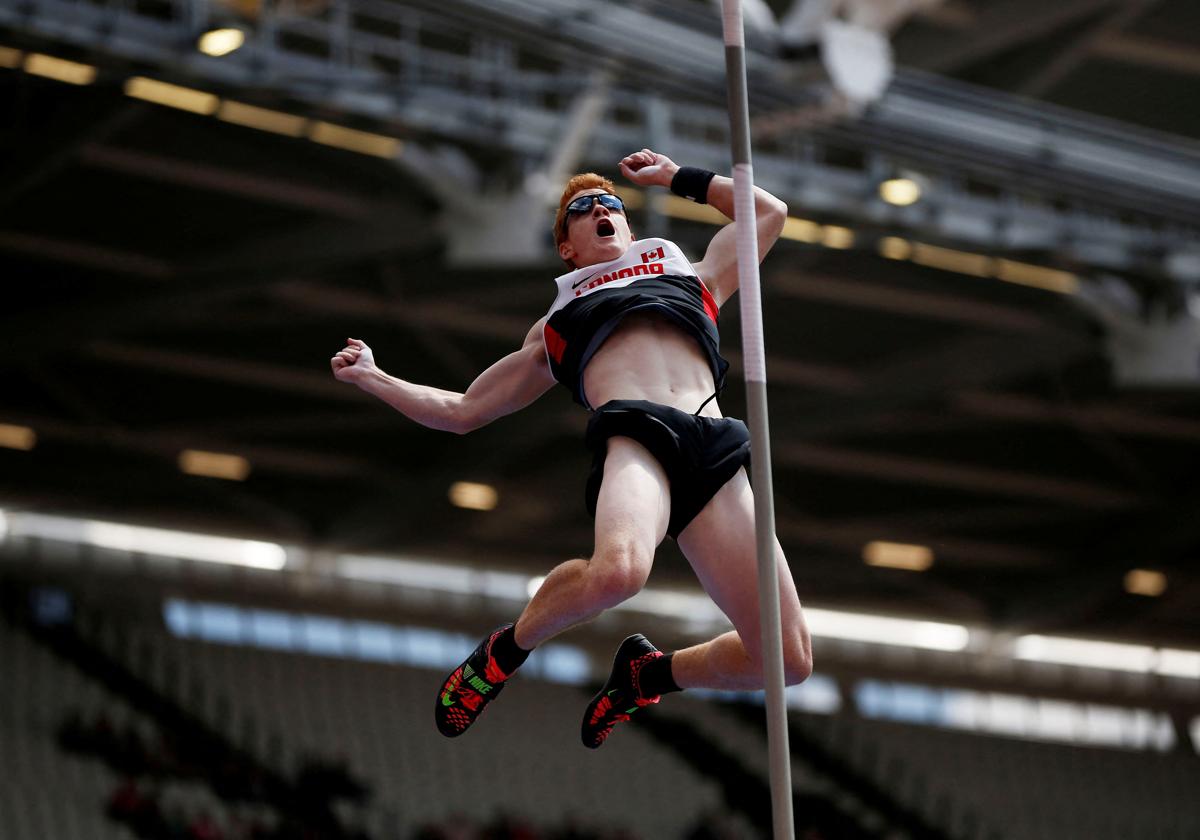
(507, 386)
(718, 269)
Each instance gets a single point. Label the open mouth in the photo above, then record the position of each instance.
(605, 228)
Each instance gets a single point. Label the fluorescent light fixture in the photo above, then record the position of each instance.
(947, 259)
(834, 236)
(1178, 663)
(262, 119)
(678, 207)
(17, 437)
(900, 191)
(1086, 653)
(914, 558)
(219, 42)
(436, 576)
(351, 139)
(214, 465)
(1040, 277)
(895, 248)
(3, 525)
(203, 547)
(157, 541)
(801, 230)
(172, 96)
(59, 69)
(473, 496)
(685, 606)
(880, 630)
(1145, 582)
(10, 58)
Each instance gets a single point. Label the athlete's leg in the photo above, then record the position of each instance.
(720, 545)
(632, 512)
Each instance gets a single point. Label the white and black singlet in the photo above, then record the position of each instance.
(652, 275)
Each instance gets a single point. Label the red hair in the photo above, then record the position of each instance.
(583, 181)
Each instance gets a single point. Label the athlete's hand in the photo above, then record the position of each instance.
(648, 168)
(353, 362)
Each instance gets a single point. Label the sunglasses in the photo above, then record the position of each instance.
(585, 203)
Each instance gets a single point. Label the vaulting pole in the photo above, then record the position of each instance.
(756, 399)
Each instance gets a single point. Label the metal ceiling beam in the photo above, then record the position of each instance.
(300, 462)
(232, 371)
(1116, 419)
(998, 28)
(86, 255)
(318, 245)
(852, 537)
(286, 192)
(1160, 539)
(932, 306)
(1150, 52)
(1072, 55)
(987, 481)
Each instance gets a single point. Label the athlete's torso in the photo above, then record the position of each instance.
(642, 326)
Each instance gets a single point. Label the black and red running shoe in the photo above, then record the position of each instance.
(469, 688)
(621, 695)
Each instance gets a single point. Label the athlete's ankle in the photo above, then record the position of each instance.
(655, 677)
(508, 654)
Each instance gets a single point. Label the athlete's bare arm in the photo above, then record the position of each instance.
(718, 269)
(507, 386)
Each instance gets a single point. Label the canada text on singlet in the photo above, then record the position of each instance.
(652, 275)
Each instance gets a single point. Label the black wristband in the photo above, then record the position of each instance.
(692, 182)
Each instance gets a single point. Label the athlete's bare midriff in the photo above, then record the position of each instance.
(650, 357)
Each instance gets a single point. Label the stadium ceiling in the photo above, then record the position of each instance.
(178, 266)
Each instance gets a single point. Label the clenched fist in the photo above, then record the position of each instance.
(648, 168)
(353, 362)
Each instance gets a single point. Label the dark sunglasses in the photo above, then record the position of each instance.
(584, 204)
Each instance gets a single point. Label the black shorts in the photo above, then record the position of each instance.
(698, 454)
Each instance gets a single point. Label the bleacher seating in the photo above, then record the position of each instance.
(47, 793)
(1021, 790)
(524, 758)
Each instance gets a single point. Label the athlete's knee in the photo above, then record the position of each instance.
(619, 571)
(797, 656)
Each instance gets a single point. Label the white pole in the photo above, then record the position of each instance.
(756, 403)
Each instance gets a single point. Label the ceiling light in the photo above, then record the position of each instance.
(801, 230)
(895, 248)
(264, 119)
(17, 437)
(1178, 663)
(881, 630)
(173, 96)
(833, 236)
(10, 58)
(214, 465)
(900, 191)
(219, 42)
(1040, 277)
(913, 558)
(1086, 653)
(1145, 582)
(159, 542)
(472, 496)
(947, 259)
(363, 142)
(59, 69)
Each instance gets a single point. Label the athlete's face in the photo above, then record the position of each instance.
(595, 236)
